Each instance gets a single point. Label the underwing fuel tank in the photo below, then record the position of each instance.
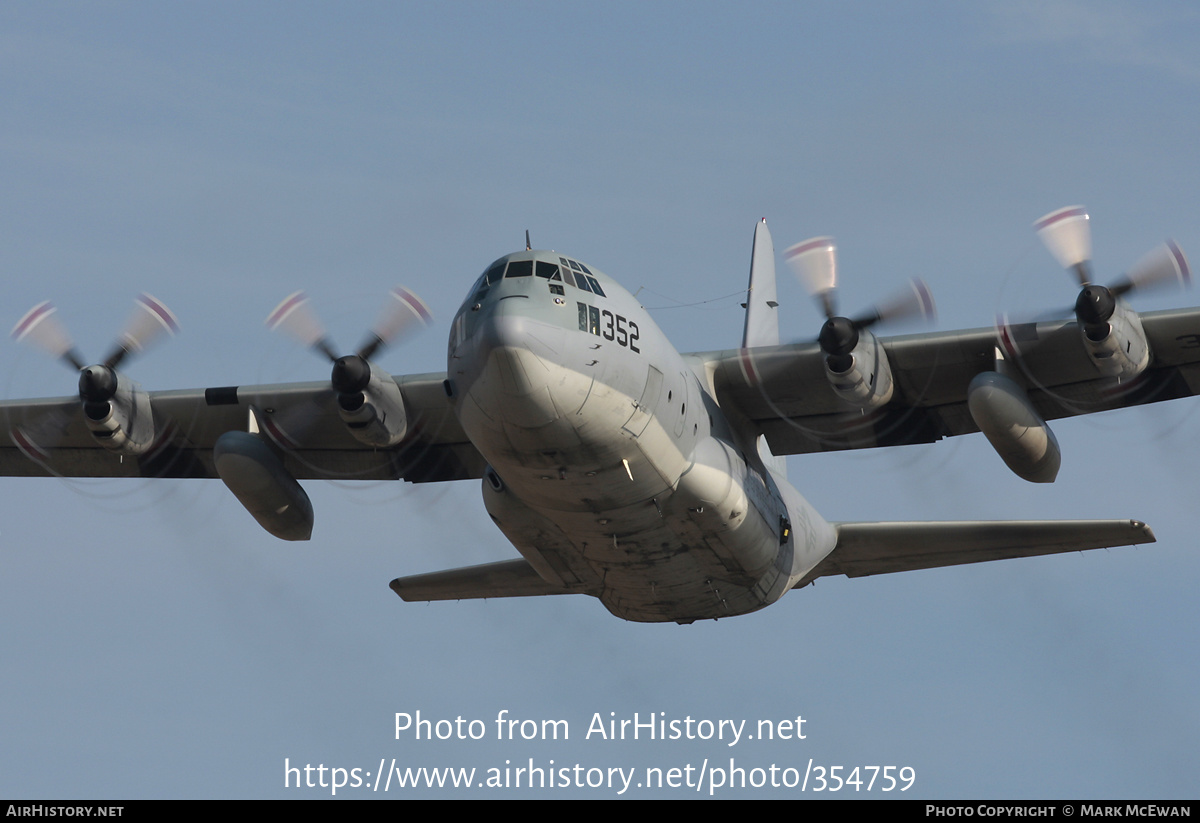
(260, 482)
(1002, 411)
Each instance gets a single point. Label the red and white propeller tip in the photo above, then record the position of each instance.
(42, 329)
(151, 319)
(404, 313)
(1164, 265)
(296, 318)
(814, 262)
(1067, 235)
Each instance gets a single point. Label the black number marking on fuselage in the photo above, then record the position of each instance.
(604, 323)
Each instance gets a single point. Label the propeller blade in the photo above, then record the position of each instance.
(151, 319)
(296, 318)
(1067, 235)
(916, 300)
(42, 329)
(814, 262)
(404, 314)
(1162, 266)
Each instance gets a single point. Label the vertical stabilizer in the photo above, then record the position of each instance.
(762, 312)
(762, 317)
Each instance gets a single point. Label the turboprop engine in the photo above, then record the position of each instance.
(1112, 332)
(368, 399)
(856, 365)
(115, 409)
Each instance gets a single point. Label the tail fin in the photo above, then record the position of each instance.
(762, 317)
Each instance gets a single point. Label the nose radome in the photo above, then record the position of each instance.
(505, 328)
(515, 381)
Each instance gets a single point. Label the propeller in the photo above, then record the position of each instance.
(404, 314)
(98, 383)
(41, 328)
(814, 263)
(1066, 233)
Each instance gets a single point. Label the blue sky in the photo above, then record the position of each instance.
(157, 643)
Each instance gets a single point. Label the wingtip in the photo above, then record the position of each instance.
(1144, 528)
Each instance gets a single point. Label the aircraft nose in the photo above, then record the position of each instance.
(517, 355)
(504, 328)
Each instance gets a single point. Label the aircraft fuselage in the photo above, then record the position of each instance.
(612, 468)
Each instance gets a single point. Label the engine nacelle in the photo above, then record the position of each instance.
(261, 483)
(375, 415)
(867, 381)
(1121, 349)
(124, 423)
(1002, 411)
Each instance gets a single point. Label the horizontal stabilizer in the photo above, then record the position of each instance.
(881, 548)
(509, 578)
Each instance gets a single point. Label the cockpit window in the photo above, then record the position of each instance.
(494, 274)
(520, 268)
(548, 271)
(596, 286)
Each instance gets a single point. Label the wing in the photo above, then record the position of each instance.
(881, 548)
(48, 437)
(782, 391)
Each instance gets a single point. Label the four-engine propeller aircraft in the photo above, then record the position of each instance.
(618, 467)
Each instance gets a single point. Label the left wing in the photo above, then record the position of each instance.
(48, 437)
(783, 392)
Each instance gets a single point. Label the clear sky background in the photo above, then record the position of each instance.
(157, 643)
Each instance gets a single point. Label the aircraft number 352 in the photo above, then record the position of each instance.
(609, 326)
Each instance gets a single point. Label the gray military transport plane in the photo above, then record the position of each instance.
(618, 467)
